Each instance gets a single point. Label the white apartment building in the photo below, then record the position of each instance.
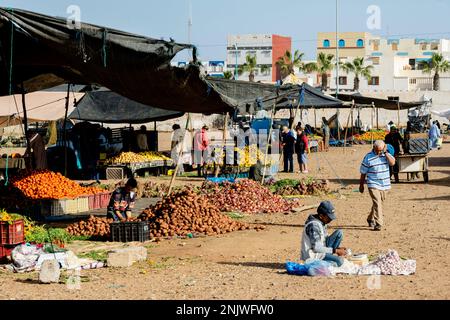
(267, 48)
(396, 62)
(213, 68)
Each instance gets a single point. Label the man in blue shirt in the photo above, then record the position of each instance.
(375, 168)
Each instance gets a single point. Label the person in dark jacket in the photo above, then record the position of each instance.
(36, 150)
(288, 144)
(122, 201)
(394, 139)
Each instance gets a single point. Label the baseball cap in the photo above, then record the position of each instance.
(327, 208)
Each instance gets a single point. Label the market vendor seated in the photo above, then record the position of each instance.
(316, 244)
(122, 201)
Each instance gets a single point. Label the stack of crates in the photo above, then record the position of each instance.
(11, 234)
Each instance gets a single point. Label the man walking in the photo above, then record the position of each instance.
(288, 143)
(375, 167)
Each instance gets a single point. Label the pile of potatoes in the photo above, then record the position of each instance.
(92, 227)
(187, 213)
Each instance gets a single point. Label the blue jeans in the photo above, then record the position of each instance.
(334, 241)
(288, 161)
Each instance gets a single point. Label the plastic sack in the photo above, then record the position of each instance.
(316, 268)
(319, 268)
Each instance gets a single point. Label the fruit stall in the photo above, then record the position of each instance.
(43, 194)
(129, 163)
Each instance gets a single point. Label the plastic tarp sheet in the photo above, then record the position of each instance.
(47, 53)
(40, 106)
(109, 107)
(379, 103)
(243, 94)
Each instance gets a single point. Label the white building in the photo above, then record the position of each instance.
(396, 62)
(213, 68)
(267, 49)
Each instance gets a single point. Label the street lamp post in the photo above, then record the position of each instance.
(236, 65)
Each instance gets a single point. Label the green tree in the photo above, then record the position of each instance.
(288, 63)
(323, 66)
(250, 66)
(228, 75)
(438, 64)
(359, 70)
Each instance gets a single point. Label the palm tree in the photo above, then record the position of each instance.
(359, 70)
(228, 75)
(288, 63)
(438, 64)
(249, 66)
(323, 65)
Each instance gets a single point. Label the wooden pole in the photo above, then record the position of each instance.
(180, 153)
(25, 117)
(378, 124)
(224, 137)
(398, 113)
(371, 115)
(315, 118)
(351, 112)
(269, 139)
(346, 127)
(65, 130)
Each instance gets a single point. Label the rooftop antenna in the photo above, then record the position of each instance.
(190, 24)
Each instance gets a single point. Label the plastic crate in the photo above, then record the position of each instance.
(72, 206)
(130, 231)
(53, 208)
(419, 146)
(91, 202)
(5, 252)
(82, 204)
(104, 199)
(12, 233)
(115, 173)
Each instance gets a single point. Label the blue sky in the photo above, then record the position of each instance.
(213, 20)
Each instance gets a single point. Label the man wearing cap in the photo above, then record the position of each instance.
(316, 244)
(375, 168)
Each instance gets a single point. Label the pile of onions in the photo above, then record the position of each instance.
(247, 196)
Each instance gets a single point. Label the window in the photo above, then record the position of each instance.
(376, 46)
(251, 53)
(341, 43)
(423, 46)
(434, 46)
(374, 81)
(326, 43)
(235, 53)
(360, 43)
(394, 46)
(343, 81)
(375, 60)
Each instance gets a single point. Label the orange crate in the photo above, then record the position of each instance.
(12, 233)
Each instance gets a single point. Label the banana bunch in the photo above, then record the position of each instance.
(127, 157)
(154, 156)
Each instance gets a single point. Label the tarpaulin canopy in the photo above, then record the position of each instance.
(109, 107)
(242, 94)
(40, 106)
(40, 52)
(379, 103)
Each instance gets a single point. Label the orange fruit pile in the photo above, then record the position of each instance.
(46, 184)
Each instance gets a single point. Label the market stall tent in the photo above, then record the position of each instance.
(109, 107)
(40, 106)
(40, 52)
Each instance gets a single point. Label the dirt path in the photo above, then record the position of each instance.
(250, 264)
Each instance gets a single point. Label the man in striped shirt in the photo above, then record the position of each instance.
(375, 168)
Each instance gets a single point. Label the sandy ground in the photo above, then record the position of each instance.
(250, 264)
